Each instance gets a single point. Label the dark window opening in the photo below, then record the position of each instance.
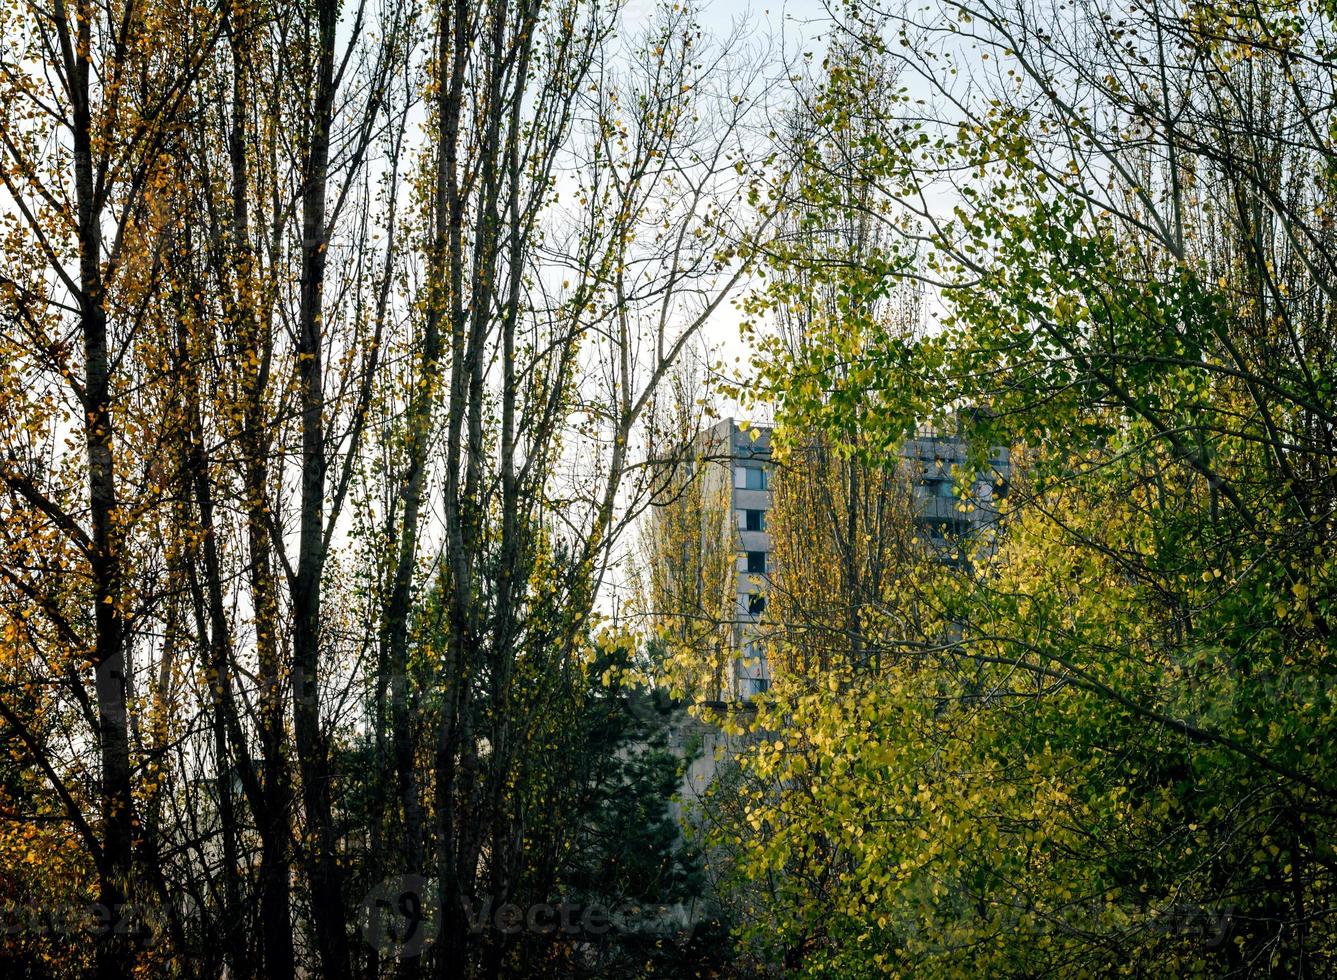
(756, 563)
(756, 604)
(947, 528)
(754, 478)
(755, 520)
(939, 487)
(749, 687)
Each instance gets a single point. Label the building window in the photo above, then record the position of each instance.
(756, 604)
(749, 687)
(939, 487)
(754, 520)
(756, 563)
(750, 478)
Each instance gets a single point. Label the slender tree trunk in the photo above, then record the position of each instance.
(326, 878)
(505, 842)
(109, 655)
(422, 401)
(215, 639)
(271, 801)
(273, 817)
(454, 732)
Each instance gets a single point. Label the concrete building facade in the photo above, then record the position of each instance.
(741, 471)
(740, 468)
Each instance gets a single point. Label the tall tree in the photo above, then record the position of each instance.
(361, 415)
(114, 81)
(1107, 755)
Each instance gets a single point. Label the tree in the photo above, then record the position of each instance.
(352, 466)
(1114, 760)
(500, 371)
(84, 268)
(686, 578)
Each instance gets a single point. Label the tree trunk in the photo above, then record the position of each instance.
(272, 803)
(326, 878)
(109, 655)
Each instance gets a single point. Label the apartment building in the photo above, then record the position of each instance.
(739, 466)
(739, 469)
(936, 458)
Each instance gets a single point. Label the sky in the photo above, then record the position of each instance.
(790, 28)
